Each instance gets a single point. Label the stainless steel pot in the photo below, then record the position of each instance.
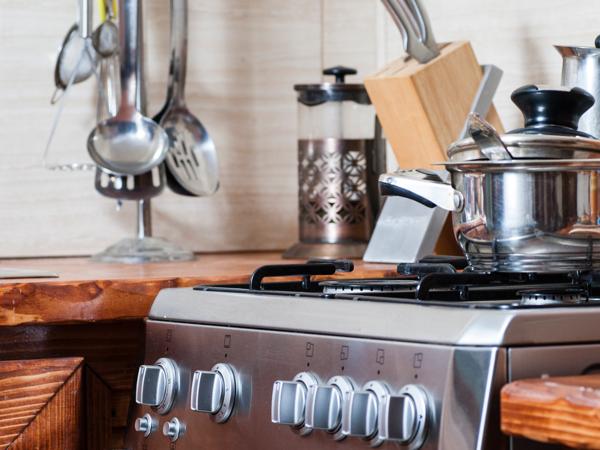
(516, 215)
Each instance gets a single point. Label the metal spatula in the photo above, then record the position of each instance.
(192, 167)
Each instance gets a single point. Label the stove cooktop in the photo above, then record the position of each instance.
(436, 281)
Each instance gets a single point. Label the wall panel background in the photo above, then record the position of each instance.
(245, 57)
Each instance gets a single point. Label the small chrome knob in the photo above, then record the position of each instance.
(213, 391)
(157, 385)
(145, 424)
(288, 403)
(173, 429)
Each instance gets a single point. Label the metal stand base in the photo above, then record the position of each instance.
(143, 250)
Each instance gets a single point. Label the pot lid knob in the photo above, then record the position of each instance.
(340, 73)
(552, 111)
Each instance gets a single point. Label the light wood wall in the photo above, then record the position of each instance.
(245, 57)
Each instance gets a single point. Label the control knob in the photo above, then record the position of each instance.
(213, 392)
(324, 405)
(288, 403)
(145, 424)
(404, 417)
(173, 429)
(157, 385)
(361, 411)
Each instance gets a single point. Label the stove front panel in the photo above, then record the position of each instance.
(458, 383)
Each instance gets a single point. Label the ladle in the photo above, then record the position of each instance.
(128, 143)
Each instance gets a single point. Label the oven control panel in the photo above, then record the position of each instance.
(213, 387)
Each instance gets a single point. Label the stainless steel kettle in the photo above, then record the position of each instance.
(581, 68)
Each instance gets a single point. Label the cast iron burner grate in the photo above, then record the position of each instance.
(436, 281)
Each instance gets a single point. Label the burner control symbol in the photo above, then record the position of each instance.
(173, 429)
(157, 385)
(213, 392)
(288, 403)
(324, 405)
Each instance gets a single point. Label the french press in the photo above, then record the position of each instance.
(340, 156)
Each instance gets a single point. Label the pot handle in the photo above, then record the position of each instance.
(423, 186)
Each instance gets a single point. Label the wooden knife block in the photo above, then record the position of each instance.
(423, 107)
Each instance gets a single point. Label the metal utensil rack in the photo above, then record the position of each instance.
(141, 189)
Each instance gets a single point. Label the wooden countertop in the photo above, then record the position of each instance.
(561, 410)
(87, 291)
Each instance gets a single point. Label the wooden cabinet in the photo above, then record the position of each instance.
(66, 387)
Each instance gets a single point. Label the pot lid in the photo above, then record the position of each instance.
(339, 91)
(551, 117)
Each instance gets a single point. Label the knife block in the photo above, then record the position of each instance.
(423, 107)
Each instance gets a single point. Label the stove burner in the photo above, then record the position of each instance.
(553, 296)
(436, 283)
(367, 286)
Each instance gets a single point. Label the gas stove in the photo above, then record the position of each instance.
(410, 362)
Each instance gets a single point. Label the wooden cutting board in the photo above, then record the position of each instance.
(564, 410)
(423, 107)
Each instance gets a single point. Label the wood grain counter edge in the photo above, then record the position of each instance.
(90, 293)
(561, 410)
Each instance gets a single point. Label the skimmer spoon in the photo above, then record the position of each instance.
(192, 167)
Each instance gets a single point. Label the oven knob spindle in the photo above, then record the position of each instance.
(157, 385)
(324, 405)
(404, 418)
(173, 429)
(213, 392)
(288, 403)
(360, 415)
(145, 424)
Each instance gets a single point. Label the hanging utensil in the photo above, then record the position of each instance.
(413, 22)
(487, 138)
(192, 166)
(129, 143)
(76, 59)
(106, 42)
(113, 185)
(105, 38)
